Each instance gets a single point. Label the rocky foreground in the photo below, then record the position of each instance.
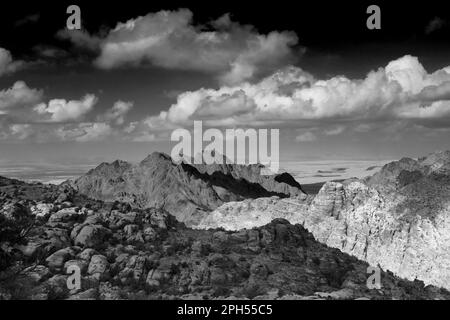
(399, 218)
(132, 253)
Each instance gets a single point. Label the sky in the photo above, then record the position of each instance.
(117, 88)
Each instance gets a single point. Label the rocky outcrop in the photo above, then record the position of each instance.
(254, 213)
(131, 253)
(188, 192)
(399, 218)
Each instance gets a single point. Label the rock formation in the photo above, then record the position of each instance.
(188, 192)
(399, 218)
(130, 253)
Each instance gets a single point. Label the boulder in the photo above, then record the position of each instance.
(99, 266)
(92, 236)
(56, 260)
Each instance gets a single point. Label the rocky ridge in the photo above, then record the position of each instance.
(189, 192)
(399, 218)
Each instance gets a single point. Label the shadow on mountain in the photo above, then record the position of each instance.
(240, 187)
(289, 180)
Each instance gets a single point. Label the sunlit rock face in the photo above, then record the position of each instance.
(398, 219)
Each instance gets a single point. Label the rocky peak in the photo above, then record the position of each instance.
(113, 168)
(438, 161)
(187, 191)
(155, 159)
(396, 173)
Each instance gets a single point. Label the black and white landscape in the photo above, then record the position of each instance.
(354, 203)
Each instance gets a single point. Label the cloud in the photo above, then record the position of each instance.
(21, 131)
(50, 52)
(61, 110)
(435, 25)
(51, 133)
(306, 137)
(117, 113)
(435, 92)
(169, 39)
(401, 90)
(225, 105)
(7, 64)
(335, 131)
(84, 132)
(24, 117)
(80, 38)
(18, 96)
(400, 96)
(30, 19)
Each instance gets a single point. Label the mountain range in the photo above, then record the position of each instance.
(162, 230)
(189, 192)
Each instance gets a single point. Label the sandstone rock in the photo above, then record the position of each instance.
(42, 209)
(37, 273)
(245, 264)
(87, 254)
(58, 286)
(90, 294)
(92, 236)
(109, 292)
(56, 260)
(98, 265)
(398, 219)
(67, 215)
(32, 249)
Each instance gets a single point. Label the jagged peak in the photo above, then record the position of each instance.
(156, 157)
(117, 164)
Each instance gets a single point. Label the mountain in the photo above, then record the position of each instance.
(130, 253)
(189, 192)
(399, 218)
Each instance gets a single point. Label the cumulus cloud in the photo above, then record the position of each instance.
(117, 113)
(398, 96)
(18, 96)
(21, 131)
(170, 39)
(21, 119)
(24, 117)
(7, 63)
(61, 110)
(401, 90)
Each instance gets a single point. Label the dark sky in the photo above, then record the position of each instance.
(329, 29)
(333, 41)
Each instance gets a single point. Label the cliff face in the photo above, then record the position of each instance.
(189, 192)
(394, 231)
(398, 219)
